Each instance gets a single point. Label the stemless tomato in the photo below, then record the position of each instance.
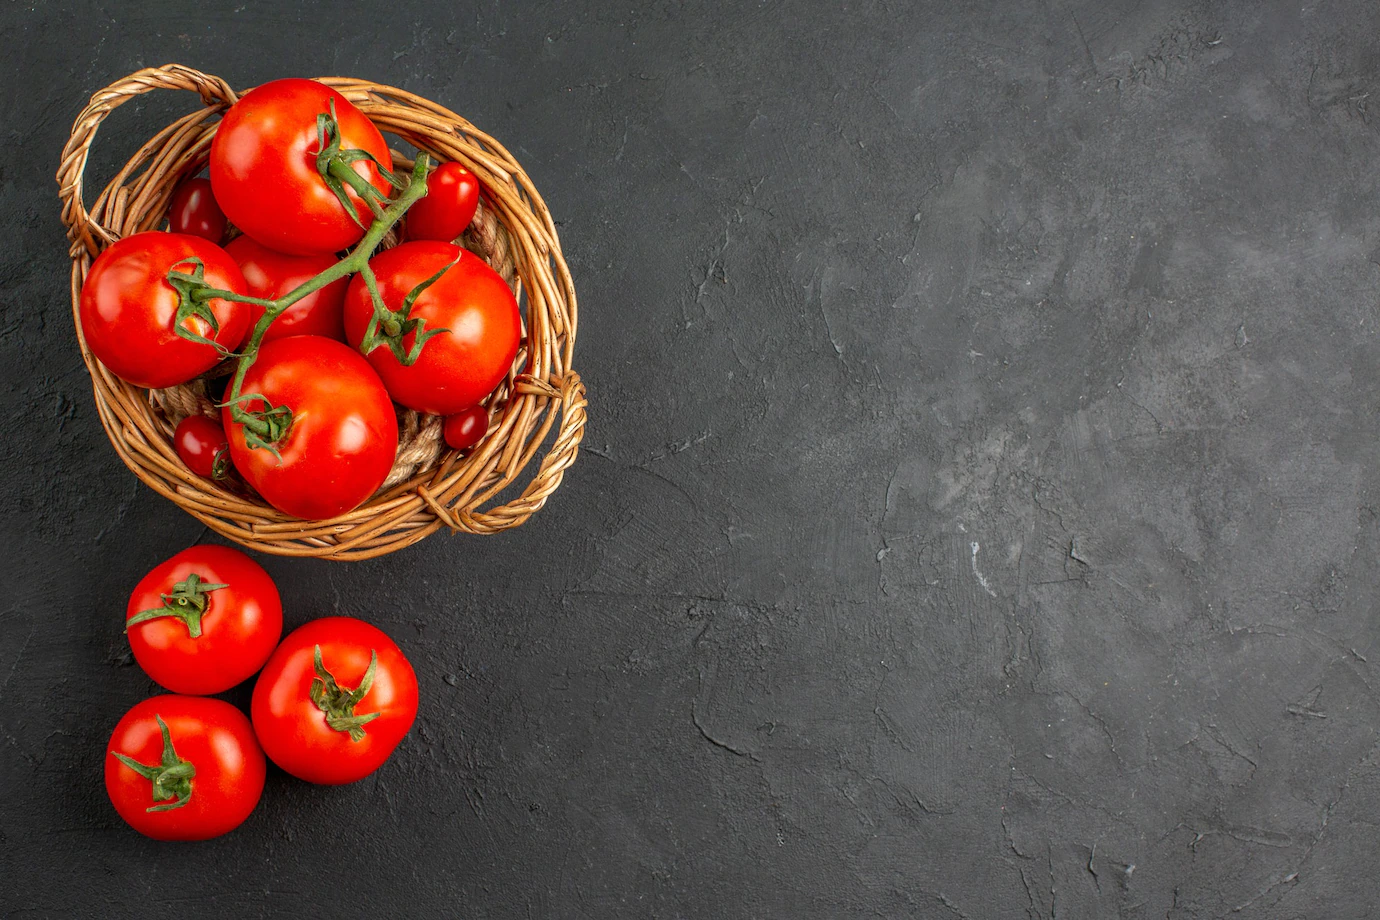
(204, 620)
(184, 768)
(461, 366)
(344, 433)
(202, 445)
(270, 275)
(443, 213)
(194, 210)
(334, 701)
(128, 308)
(263, 167)
(466, 429)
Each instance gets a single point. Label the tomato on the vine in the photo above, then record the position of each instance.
(184, 768)
(334, 701)
(204, 620)
(202, 445)
(443, 213)
(460, 366)
(194, 210)
(344, 432)
(270, 274)
(264, 167)
(129, 309)
(466, 429)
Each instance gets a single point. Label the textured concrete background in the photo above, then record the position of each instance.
(978, 512)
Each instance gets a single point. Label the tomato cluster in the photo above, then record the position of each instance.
(253, 270)
(331, 703)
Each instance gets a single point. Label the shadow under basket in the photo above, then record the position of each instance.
(430, 486)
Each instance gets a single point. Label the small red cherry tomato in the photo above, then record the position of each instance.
(202, 445)
(458, 367)
(443, 213)
(194, 210)
(334, 701)
(466, 429)
(184, 768)
(270, 274)
(344, 433)
(204, 620)
(129, 308)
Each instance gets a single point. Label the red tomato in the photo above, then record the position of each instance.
(458, 368)
(270, 275)
(193, 769)
(344, 433)
(443, 213)
(128, 308)
(194, 210)
(202, 445)
(320, 714)
(263, 167)
(211, 617)
(466, 429)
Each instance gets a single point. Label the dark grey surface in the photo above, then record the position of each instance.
(977, 513)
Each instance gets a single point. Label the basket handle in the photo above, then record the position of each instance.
(81, 229)
(562, 453)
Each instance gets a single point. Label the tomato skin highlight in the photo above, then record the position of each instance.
(263, 167)
(270, 274)
(215, 738)
(293, 729)
(447, 208)
(457, 368)
(344, 433)
(127, 308)
(194, 211)
(466, 429)
(199, 441)
(239, 628)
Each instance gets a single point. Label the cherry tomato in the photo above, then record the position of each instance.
(194, 210)
(270, 275)
(263, 167)
(204, 620)
(202, 445)
(344, 433)
(466, 429)
(184, 768)
(443, 213)
(461, 366)
(128, 308)
(334, 701)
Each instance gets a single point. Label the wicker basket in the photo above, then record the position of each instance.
(430, 486)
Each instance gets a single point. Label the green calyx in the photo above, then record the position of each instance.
(263, 428)
(338, 703)
(390, 327)
(172, 778)
(187, 602)
(188, 285)
(336, 166)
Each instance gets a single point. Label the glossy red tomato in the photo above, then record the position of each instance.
(204, 620)
(443, 213)
(457, 368)
(344, 433)
(202, 445)
(466, 429)
(270, 275)
(334, 701)
(184, 768)
(263, 167)
(194, 210)
(128, 308)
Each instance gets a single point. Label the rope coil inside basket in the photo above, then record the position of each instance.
(430, 486)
